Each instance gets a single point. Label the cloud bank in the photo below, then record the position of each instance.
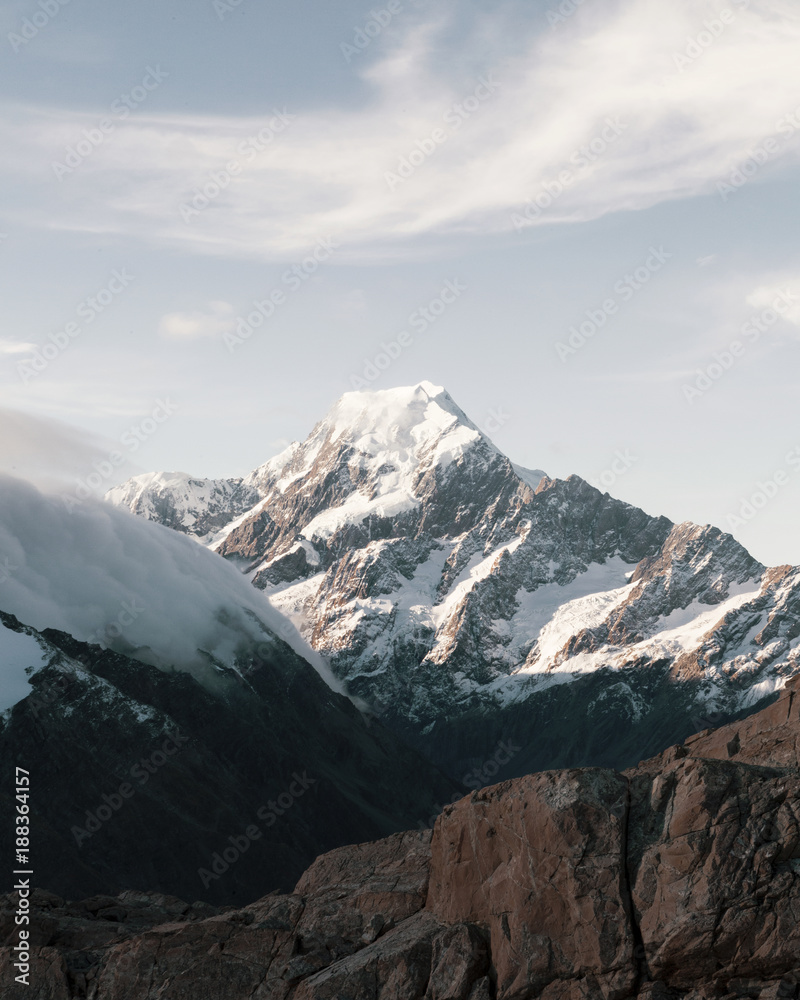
(108, 577)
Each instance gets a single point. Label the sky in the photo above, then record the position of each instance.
(579, 218)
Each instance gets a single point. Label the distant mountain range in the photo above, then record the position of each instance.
(464, 599)
(335, 647)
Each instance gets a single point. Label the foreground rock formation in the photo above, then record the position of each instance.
(679, 878)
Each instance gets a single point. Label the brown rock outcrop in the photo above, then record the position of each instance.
(771, 738)
(539, 862)
(677, 880)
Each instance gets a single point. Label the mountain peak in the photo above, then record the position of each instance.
(407, 419)
(436, 575)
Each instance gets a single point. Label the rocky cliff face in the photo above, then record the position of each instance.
(447, 587)
(676, 880)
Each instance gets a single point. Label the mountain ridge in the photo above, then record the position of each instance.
(271, 750)
(434, 577)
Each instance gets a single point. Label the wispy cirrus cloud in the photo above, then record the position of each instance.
(513, 112)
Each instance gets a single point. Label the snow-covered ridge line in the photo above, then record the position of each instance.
(433, 573)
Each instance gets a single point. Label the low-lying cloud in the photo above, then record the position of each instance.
(106, 576)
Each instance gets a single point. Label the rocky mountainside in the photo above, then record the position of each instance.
(144, 777)
(172, 718)
(454, 592)
(678, 879)
(194, 506)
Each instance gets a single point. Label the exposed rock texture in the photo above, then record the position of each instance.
(538, 861)
(677, 880)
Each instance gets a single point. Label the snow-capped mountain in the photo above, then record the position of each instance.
(195, 506)
(437, 577)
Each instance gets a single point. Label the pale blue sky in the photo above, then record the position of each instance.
(484, 107)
